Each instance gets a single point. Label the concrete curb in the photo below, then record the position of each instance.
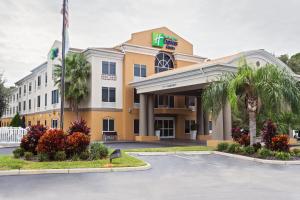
(170, 153)
(73, 171)
(275, 162)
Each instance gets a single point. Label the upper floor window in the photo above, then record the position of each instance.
(24, 105)
(20, 91)
(30, 87)
(54, 123)
(24, 90)
(190, 101)
(109, 68)
(139, 70)
(19, 107)
(136, 96)
(163, 62)
(39, 81)
(46, 97)
(29, 104)
(46, 79)
(108, 94)
(38, 101)
(55, 96)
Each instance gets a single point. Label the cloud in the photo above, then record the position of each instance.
(215, 27)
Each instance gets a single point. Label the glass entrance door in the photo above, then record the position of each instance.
(166, 125)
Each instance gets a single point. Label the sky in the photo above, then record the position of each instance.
(216, 28)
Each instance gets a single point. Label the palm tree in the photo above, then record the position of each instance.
(76, 79)
(273, 88)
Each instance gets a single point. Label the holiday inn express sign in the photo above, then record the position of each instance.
(160, 39)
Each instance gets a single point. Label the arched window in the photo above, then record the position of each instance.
(163, 62)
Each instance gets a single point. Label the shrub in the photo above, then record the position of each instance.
(42, 157)
(18, 152)
(282, 155)
(249, 150)
(280, 143)
(222, 146)
(85, 155)
(16, 121)
(241, 136)
(60, 156)
(296, 151)
(77, 143)
(79, 126)
(264, 153)
(234, 148)
(30, 140)
(268, 132)
(75, 157)
(51, 142)
(257, 146)
(98, 151)
(28, 155)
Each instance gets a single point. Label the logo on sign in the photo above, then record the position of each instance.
(160, 39)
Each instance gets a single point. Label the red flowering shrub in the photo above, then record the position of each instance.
(51, 142)
(77, 143)
(79, 126)
(268, 132)
(280, 143)
(30, 141)
(241, 136)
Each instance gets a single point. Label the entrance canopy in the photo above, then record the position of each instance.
(195, 77)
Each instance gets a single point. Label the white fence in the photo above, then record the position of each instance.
(11, 134)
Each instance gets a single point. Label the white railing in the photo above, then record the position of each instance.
(11, 134)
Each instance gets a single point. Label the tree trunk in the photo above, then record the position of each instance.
(290, 131)
(252, 127)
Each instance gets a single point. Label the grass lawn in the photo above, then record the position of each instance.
(170, 149)
(8, 162)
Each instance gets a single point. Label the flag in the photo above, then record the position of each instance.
(65, 13)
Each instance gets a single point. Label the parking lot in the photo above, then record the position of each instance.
(171, 177)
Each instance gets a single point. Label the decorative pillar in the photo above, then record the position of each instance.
(217, 126)
(150, 115)
(227, 121)
(200, 122)
(143, 115)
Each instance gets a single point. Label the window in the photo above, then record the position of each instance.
(30, 87)
(14, 98)
(136, 126)
(190, 101)
(19, 106)
(108, 94)
(109, 68)
(54, 123)
(29, 104)
(39, 81)
(24, 90)
(38, 122)
(55, 96)
(170, 101)
(29, 123)
(108, 125)
(14, 110)
(20, 91)
(24, 105)
(163, 62)
(159, 101)
(46, 79)
(46, 96)
(188, 125)
(139, 70)
(136, 96)
(45, 122)
(38, 101)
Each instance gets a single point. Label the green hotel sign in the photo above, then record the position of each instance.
(160, 39)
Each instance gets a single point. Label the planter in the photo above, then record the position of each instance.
(157, 133)
(193, 135)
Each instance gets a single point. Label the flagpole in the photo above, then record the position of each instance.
(62, 92)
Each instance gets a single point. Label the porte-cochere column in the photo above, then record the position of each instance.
(143, 115)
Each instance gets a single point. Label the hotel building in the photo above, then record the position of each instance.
(151, 82)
